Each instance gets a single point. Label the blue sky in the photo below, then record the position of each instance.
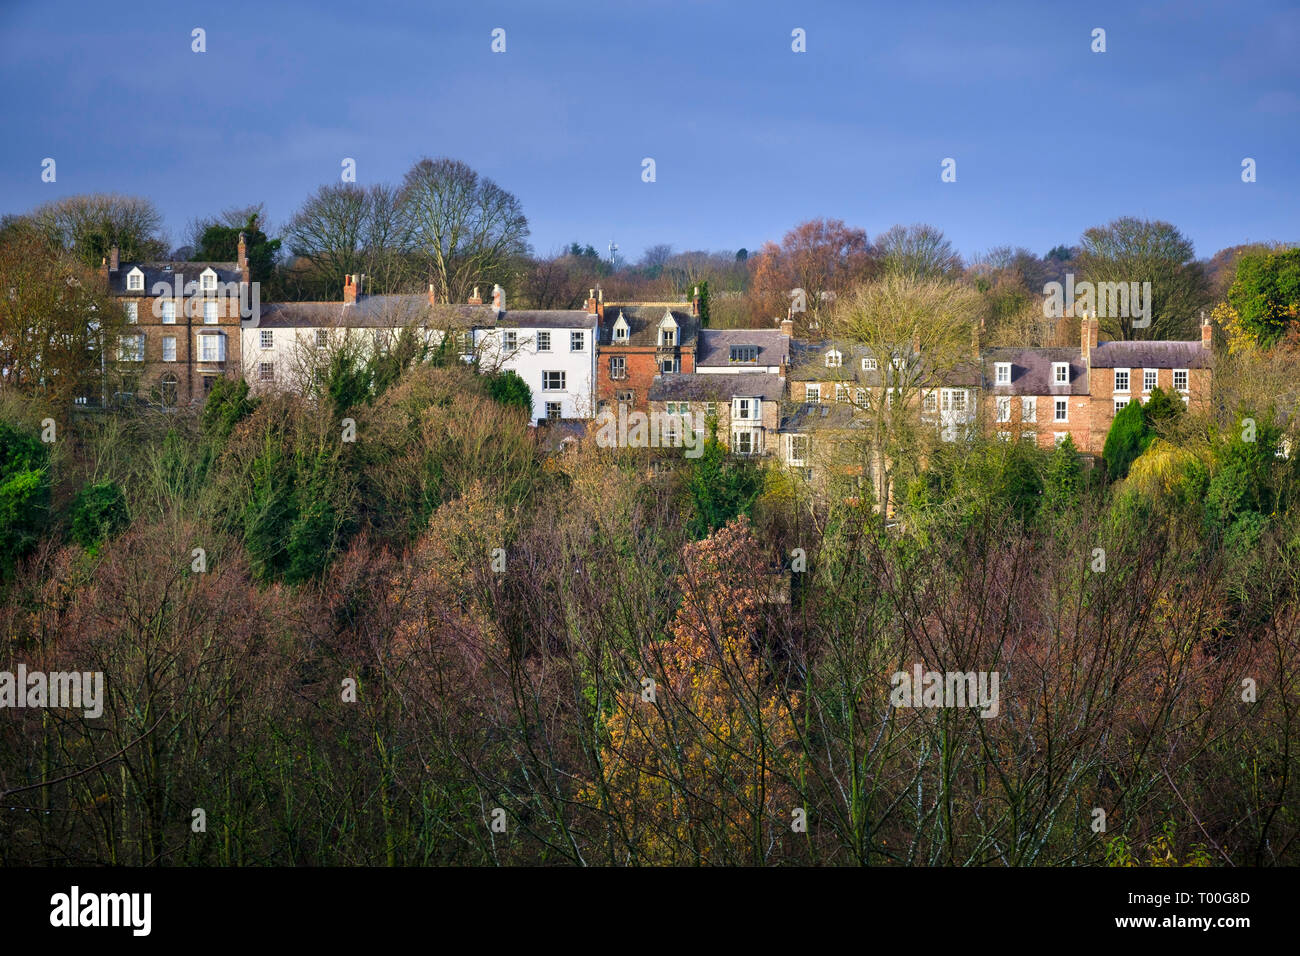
(748, 137)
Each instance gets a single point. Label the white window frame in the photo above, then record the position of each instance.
(834, 359)
(1059, 437)
(1057, 405)
(1003, 403)
(1001, 373)
(509, 340)
(1128, 380)
(617, 368)
(546, 378)
(812, 393)
(1028, 408)
(742, 407)
(868, 365)
(1060, 373)
(554, 410)
(135, 281)
(1187, 380)
(748, 437)
(169, 340)
(577, 341)
(841, 392)
(799, 460)
(266, 371)
(132, 312)
(266, 339)
(544, 340)
(1120, 404)
(210, 316)
(169, 312)
(220, 347)
(1154, 376)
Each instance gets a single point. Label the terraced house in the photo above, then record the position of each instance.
(639, 341)
(1044, 394)
(183, 325)
(746, 407)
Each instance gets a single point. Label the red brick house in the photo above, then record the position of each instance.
(1044, 394)
(638, 341)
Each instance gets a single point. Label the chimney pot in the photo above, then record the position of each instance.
(113, 259)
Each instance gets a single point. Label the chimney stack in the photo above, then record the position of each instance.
(591, 302)
(499, 300)
(695, 302)
(433, 295)
(243, 258)
(787, 326)
(600, 302)
(475, 299)
(112, 259)
(351, 287)
(1087, 337)
(1207, 333)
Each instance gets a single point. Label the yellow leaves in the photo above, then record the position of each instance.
(1240, 339)
(684, 773)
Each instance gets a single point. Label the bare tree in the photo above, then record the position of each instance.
(464, 227)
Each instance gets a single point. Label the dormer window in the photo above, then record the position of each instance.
(135, 280)
(208, 280)
(834, 359)
(620, 329)
(667, 330)
(1060, 373)
(744, 354)
(1001, 373)
(868, 365)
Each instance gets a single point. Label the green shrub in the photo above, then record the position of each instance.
(24, 494)
(98, 512)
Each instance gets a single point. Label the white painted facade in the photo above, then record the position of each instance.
(556, 360)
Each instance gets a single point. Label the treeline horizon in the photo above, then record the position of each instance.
(447, 226)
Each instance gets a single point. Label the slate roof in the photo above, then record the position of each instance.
(1153, 354)
(810, 417)
(643, 325)
(155, 272)
(1031, 371)
(714, 348)
(546, 319)
(397, 311)
(717, 388)
(808, 363)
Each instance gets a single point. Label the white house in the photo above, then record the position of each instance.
(552, 350)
